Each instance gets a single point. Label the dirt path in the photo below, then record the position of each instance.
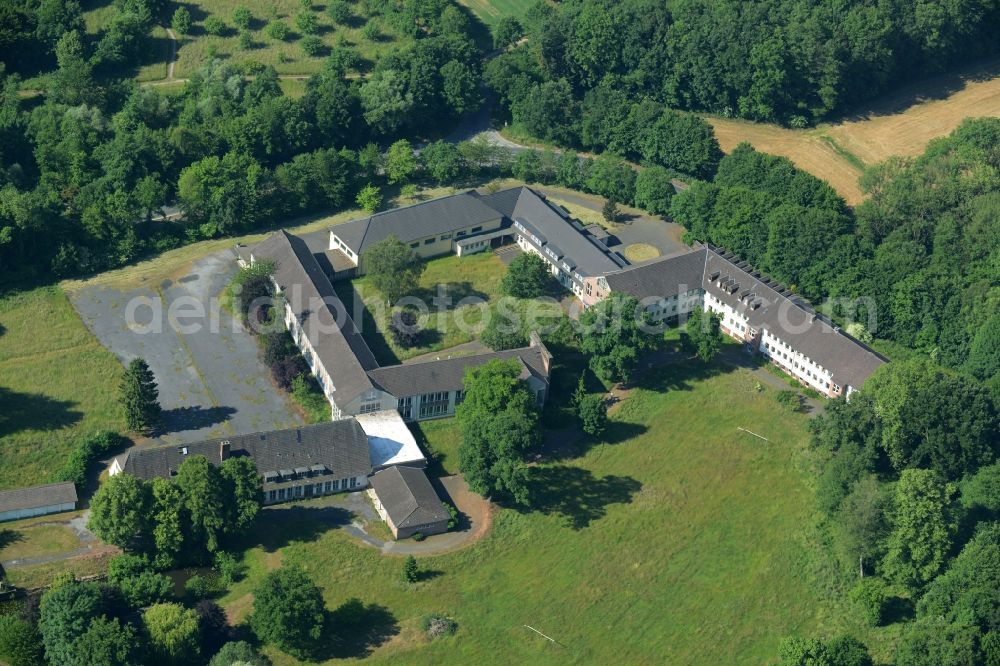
(173, 54)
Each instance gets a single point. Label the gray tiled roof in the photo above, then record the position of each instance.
(36, 497)
(417, 221)
(591, 256)
(662, 277)
(341, 446)
(341, 349)
(793, 321)
(447, 374)
(407, 496)
(785, 316)
(503, 201)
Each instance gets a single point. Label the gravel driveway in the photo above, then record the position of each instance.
(211, 380)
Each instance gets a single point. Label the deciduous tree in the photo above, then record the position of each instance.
(498, 421)
(704, 334)
(527, 276)
(613, 336)
(174, 636)
(923, 527)
(400, 162)
(66, 612)
(120, 512)
(288, 611)
(392, 268)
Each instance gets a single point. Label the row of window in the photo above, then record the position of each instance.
(776, 353)
(444, 237)
(323, 488)
(781, 343)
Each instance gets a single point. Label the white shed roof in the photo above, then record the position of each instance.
(390, 441)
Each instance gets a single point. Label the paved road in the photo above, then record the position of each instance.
(210, 378)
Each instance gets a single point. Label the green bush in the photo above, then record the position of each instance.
(313, 46)
(88, 451)
(371, 31)
(230, 569)
(453, 512)
(307, 394)
(871, 596)
(242, 17)
(277, 30)
(338, 11)
(306, 22)
(788, 399)
(215, 26)
(200, 587)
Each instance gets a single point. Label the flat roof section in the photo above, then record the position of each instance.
(390, 441)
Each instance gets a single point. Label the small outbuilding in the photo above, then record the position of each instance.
(407, 502)
(37, 501)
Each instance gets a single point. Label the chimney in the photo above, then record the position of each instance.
(223, 450)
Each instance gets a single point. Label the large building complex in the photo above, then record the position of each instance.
(345, 367)
(752, 309)
(764, 315)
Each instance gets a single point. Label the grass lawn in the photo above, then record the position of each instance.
(57, 383)
(440, 439)
(37, 537)
(491, 11)
(39, 575)
(476, 276)
(637, 252)
(680, 540)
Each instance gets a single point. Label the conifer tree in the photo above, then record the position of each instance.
(140, 397)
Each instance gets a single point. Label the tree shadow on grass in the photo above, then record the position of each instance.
(354, 630)
(33, 410)
(577, 494)
(454, 292)
(681, 376)
(428, 574)
(3, 329)
(283, 525)
(9, 537)
(572, 442)
(196, 417)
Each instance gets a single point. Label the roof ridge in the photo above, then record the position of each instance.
(453, 358)
(421, 203)
(305, 426)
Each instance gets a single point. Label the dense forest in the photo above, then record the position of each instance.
(84, 166)
(915, 263)
(788, 61)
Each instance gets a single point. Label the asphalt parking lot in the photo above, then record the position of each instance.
(210, 378)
